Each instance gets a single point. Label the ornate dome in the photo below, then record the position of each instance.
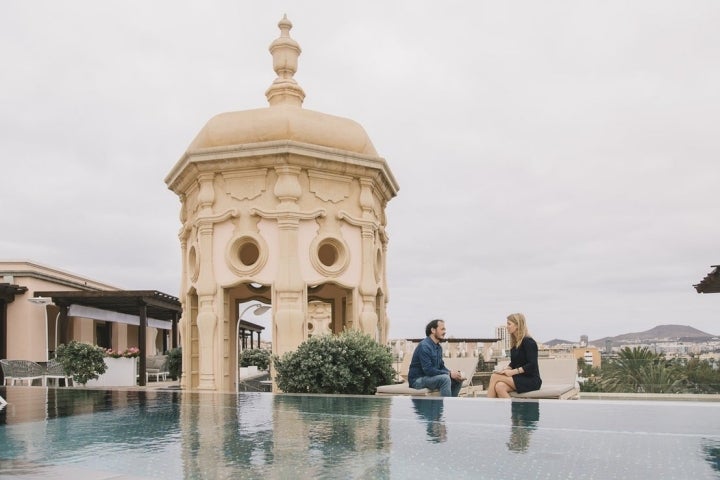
(284, 119)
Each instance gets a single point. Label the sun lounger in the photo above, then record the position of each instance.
(559, 380)
(404, 389)
(467, 365)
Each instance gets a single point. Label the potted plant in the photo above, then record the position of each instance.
(175, 362)
(121, 368)
(81, 360)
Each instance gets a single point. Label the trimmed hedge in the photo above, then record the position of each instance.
(349, 363)
(255, 356)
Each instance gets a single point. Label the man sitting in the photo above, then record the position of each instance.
(427, 368)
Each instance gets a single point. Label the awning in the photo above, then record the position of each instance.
(117, 317)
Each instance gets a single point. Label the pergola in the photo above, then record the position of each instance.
(247, 329)
(146, 305)
(711, 282)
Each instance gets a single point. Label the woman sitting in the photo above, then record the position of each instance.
(522, 375)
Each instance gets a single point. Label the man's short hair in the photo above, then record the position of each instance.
(431, 325)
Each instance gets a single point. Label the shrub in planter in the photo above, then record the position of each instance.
(255, 356)
(82, 360)
(174, 359)
(349, 363)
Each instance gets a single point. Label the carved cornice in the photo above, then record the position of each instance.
(277, 214)
(358, 222)
(265, 154)
(213, 219)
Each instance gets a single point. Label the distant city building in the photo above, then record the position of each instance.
(590, 355)
(583, 341)
(502, 333)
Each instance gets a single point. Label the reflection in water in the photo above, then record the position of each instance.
(712, 455)
(47, 433)
(430, 410)
(169, 434)
(321, 434)
(524, 417)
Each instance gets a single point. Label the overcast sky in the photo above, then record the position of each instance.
(570, 151)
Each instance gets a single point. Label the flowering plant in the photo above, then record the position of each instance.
(127, 353)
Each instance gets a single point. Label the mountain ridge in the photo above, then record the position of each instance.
(672, 332)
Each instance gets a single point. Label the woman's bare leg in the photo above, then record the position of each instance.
(500, 386)
(494, 378)
(503, 390)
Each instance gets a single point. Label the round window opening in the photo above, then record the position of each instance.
(328, 254)
(192, 263)
(248, 253)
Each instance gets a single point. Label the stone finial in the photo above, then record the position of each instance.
(285, 52)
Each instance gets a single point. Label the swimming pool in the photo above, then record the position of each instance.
(96, 434)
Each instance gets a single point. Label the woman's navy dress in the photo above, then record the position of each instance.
(526, 357)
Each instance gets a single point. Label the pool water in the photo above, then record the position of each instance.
(97, 434)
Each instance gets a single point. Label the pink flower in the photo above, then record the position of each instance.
(127, 353)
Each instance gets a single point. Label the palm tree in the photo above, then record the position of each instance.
(638, 370)
(702, 376)
(662, 378)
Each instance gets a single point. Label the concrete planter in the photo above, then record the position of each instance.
(248, 371)
(121, 372)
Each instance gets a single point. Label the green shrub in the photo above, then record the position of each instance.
(175, 363)
(349, 363)
(255, 356)
(82, 360)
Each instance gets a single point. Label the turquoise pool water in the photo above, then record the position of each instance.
(95, 434)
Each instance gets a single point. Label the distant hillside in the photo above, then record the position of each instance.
(557, 341)
(668, 333)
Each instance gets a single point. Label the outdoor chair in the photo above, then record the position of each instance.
(8, 372)
(26, 370)
(559, 380)
(156, 366)
(56, 372)
(467, 365)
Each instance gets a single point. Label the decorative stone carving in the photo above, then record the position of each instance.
(246, 184)
(329, 187)
(319, 318)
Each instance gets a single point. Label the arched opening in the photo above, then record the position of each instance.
(331, 303)
(248, 305)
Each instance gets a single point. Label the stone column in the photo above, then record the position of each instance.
(206, 286)
(289, 293)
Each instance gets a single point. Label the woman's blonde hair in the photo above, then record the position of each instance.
(521, 332)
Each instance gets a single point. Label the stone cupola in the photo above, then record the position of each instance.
(284, 206)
